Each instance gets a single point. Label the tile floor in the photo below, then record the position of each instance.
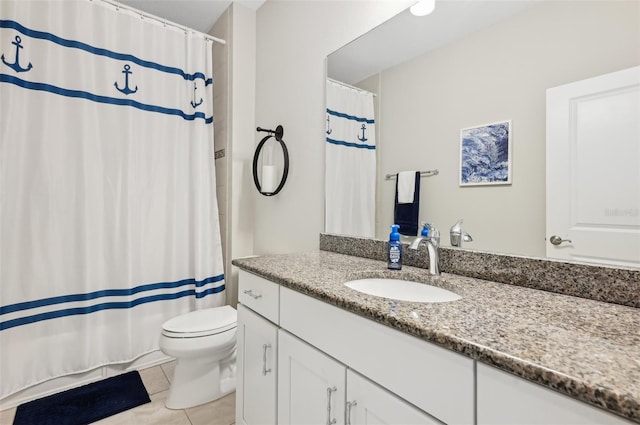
(156, 380)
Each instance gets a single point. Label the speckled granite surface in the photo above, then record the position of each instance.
(600, 283)
(586, 349)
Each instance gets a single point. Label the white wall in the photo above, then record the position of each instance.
(293, 40)
(222, 117)
(243, 63)
(234, 111)
(500, 73)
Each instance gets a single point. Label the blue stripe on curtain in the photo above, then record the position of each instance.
(107, 305)
(107, 293)
(102, 52)
(4, 78)
(350, 117)
(350, 144)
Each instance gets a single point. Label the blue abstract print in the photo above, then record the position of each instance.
(484, 154)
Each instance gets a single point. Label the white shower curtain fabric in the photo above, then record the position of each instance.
(350, 167)
(108, 215)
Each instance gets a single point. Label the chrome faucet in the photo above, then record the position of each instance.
(431, 236)
(457, 235)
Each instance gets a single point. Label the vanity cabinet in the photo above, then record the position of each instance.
(506, 399)
(257, 336)
(302, 360)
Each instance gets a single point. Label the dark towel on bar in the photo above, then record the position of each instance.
(406, 215)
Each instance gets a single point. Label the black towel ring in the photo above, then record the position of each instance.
(278, 133)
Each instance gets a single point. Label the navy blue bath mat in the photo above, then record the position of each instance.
(86, 404)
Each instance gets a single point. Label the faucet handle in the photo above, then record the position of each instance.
(458, 235)
(434, 234)
(457, 228)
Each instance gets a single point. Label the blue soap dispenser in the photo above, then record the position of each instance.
(394, 254)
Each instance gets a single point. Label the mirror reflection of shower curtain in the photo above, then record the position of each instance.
(350, 161)
(108, 215)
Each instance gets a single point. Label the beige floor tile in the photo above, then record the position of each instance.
(154, 380)
(219, 412)
(154, 413)
(168, 369)
(6, 416)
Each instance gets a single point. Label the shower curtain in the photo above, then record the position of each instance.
(108, 214)
(350, 163)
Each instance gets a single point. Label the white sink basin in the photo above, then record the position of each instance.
(403, 290)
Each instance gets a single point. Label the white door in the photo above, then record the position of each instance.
(311, 385)
(370, 404)
(257, 369)
(593, 170)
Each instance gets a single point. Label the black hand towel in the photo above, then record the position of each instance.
(406, 215)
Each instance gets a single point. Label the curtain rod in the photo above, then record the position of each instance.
(146, 15)
(422, 174)
(349, 86)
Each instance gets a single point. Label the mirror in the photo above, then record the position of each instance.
(485, 62)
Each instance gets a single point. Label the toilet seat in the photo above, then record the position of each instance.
(201, 323)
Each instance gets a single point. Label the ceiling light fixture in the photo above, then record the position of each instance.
(423, 7)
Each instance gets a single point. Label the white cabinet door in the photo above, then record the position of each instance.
(369, 404)
(506, 399)
(311, 385)
(257, 369)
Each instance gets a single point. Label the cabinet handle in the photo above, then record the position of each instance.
(252, 295)
(265, 347)
(329, 391)
(350, 404)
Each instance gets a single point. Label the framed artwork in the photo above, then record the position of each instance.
(485, 154)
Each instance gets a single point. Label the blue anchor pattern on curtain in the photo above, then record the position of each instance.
(329, 130)
(363, 139)
(16, 63)
(193, 102)
(126, 90)
(17, 50)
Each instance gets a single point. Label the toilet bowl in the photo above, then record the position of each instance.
(204, 345)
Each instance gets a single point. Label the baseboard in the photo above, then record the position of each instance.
(63, 383)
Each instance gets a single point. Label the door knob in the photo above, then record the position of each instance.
(557, 240)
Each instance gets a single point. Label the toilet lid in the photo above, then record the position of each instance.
(202, 322)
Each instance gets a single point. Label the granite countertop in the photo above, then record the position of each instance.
(587, 349)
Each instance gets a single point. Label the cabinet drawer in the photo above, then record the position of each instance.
(259, 294)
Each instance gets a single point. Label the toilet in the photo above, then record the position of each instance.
(204, 345)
